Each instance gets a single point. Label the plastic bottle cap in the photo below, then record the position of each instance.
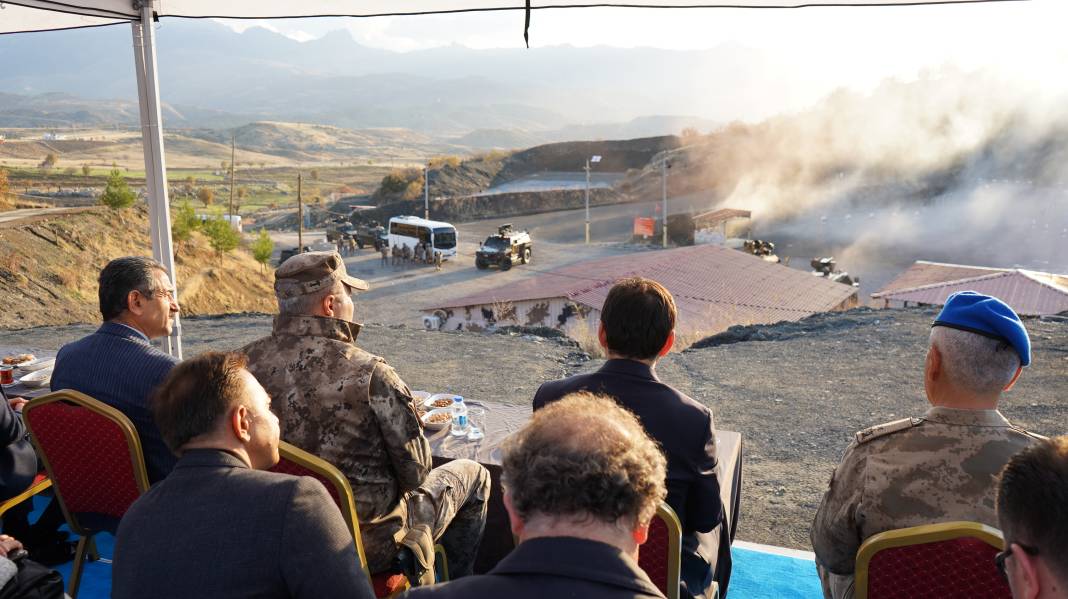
(458, 398)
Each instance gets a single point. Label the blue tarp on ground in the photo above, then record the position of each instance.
(757, 575)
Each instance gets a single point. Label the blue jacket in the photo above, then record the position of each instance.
(118, 366)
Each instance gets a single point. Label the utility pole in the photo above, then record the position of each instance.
(233, 144)
(663, 187)
(300, 217)
(594, 159)
(426, 191)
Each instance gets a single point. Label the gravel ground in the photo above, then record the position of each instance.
(796, 391)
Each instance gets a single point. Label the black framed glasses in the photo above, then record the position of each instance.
(999, 559)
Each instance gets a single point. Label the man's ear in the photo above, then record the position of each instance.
(602, 336)
(513, 516)
(667, 345)
(1015, 377)
(641, 534)
(933, 363)
(135, 302)
(1027, 577)
(241, 423)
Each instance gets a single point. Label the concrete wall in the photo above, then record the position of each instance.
(557, 313)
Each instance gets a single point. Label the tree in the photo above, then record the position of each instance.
(117, 195)
(206, 196)
(262, 248)
(221, 236)
(185, 222)
(49, 161)
(86, 170)
(315, 174)
(5, 187)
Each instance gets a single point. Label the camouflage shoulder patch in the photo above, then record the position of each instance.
(880, 430)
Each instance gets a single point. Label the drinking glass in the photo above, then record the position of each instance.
(476, 417)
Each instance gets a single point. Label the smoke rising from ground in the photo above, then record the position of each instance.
(958, 167)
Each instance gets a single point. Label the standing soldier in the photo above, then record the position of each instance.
(395, 252)
(384, 250)
(419, 252)
(437, 260)
(350, 242)
(406, 254)
(341, 245)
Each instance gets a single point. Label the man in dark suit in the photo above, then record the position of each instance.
(218, 526)
(581, 483)
(637, 328)
(116, 364)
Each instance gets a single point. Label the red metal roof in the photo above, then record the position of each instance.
(1028, 292)
(714, 287)
(927, 273)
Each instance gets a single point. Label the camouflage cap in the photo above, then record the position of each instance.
(312, 272)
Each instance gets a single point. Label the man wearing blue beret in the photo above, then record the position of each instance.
(942, 466)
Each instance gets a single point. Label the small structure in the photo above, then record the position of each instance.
(717, 226)
(925, 283)
(714, 288)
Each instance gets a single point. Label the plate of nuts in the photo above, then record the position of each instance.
(438, 400)
(437, 419)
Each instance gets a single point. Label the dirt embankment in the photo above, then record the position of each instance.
(493, 206)
(49, 268)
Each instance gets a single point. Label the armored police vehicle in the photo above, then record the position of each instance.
(504, 249)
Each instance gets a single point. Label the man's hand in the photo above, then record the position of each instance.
(16, 403)
(8, 544)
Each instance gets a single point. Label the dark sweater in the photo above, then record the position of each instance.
(118, 366)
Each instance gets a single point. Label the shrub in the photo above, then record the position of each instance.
(262, 248)
(184, 223)
(222, 237)
(117, 194)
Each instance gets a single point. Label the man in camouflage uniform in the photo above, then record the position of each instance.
(942, 466)
(384, 248)
(350, 408)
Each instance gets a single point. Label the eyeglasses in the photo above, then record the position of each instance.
(164, 293)
(999, 559)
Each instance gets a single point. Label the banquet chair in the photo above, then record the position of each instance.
(298, 462)
(660, 555)
(92, 454)
(951, 560)
(40, 483)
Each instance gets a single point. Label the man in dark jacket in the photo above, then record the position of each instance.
(637, 328)
(117, 365)
(581, 483)
(219, 526)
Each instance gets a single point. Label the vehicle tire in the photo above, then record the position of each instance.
(506, 264)
(480, 265)
(359, 244)
(526, 256)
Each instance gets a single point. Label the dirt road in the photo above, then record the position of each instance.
(18, 217)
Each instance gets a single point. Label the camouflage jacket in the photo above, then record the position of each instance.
(350, 408)
(914, 471)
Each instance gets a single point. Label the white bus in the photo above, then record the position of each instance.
(410, 230)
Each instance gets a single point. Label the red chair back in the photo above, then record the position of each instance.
(287, 466)
(92, 454)
(949, 560)
(961, 568)
(660, 555)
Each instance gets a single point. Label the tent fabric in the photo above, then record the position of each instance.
(44, 15)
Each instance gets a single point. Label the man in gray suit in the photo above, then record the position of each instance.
(218, 526)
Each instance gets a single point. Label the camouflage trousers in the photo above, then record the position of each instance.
(452, 502)
(836, 586)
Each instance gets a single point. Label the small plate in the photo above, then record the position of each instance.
(37, 364)
(38, 378)
(428, 403)
(420, 396)
(436, 426)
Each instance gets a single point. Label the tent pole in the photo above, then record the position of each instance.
(144, 42)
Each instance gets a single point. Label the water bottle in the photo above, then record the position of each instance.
(459, 416)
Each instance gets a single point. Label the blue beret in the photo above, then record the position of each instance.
(987, 316)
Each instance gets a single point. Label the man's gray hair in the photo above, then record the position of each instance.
(975, 363)
(304, 305)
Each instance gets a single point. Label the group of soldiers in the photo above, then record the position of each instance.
(403, 255)
(346, 245)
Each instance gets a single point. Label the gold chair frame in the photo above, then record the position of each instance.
(918, 535)
(674, 565)
(133, 444)
(30, 491)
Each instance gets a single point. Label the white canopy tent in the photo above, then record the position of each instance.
(22, 16)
